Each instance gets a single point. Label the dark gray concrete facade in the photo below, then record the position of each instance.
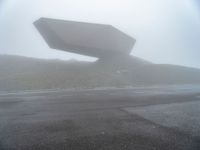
(97, 40)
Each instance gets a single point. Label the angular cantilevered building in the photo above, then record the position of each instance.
(96, 40)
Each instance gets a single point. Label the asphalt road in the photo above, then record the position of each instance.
(159, 118)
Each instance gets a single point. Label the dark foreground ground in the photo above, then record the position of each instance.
(162, 118)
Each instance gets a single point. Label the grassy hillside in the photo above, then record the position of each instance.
(21, 73)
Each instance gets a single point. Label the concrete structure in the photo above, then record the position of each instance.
(97, 40)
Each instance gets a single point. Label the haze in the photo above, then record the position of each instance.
(167, 31)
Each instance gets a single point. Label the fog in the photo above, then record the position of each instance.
(166, 31)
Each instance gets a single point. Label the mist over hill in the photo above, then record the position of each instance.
(22, 73)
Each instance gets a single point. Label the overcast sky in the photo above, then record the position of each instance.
(167, 31)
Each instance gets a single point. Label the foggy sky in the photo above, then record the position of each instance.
(167, 31)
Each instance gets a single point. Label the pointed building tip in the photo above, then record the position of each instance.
(39, 20)
(36, 21)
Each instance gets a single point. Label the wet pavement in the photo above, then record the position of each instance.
(118, 119)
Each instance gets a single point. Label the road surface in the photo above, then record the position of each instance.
(159, 118)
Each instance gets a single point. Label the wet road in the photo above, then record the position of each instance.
(159, 118)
